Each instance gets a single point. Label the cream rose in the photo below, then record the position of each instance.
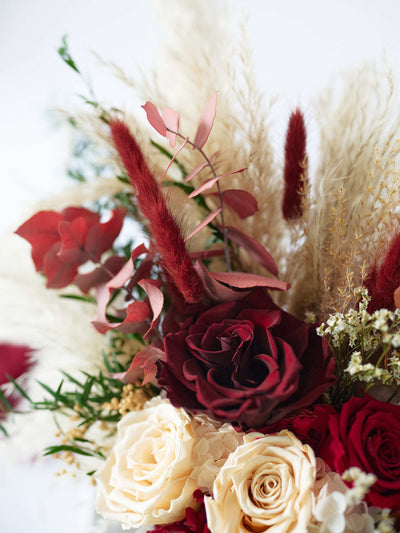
(146, 479)
(265, 485)
(161, 456)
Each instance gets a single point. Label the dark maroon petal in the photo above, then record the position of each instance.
(246, 361)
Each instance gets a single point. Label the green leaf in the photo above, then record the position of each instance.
(56, 394)
(5, 402)
(74, 449)
(76, 175)
(72, 379)
(88, 299)
(63, 52)
(19, 389)
(107, 362)
(3, 429)
(86, 391)
(123, 178)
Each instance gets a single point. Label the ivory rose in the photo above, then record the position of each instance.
(161, 456)
(265, 485)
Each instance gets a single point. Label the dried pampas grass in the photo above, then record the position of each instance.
(58, 330)
(351, 211)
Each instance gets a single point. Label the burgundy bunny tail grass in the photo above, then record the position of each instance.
(295, 167)
(382, 281)
(164, 229)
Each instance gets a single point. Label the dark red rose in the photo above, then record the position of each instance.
(247, 362)
(311, 426)
(194, 521)
(367, 435)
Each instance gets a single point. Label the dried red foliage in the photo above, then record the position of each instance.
(165, 231)
(382, 280)
(61, 242)
(295, 162)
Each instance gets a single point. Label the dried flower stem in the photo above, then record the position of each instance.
(221, 202)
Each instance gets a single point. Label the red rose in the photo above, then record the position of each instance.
(367, 435)
(311, 426)
(247, 362)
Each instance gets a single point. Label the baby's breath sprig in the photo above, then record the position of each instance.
(364, 345)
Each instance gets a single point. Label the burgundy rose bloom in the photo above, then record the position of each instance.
(311, 426)
(247, 362)
(194, 521)
(367, 435)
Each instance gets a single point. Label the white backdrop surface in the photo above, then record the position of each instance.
(298, 47)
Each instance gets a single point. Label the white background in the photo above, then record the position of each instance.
(298, 47)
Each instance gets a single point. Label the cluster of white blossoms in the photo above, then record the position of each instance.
(367, 371)
(367, 334)
(256, 482)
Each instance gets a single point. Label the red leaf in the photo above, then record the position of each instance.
(58, 273)
(240, 201)
(155, 119)
(205, 254)
(102, 298)
(206, 122)
(243, 280)
(103, 292)
(211, 182)
(73, 236)
(41, 231)
(155, 296)
(126, 271)
(99, 275)
(396, 297)
(204, 223)
(144, 363)
(101, 237)
(194, 172)
(174, 157)
(171, 121)
(215, 290)
(142, 271)
(253, 248)
(71, 213)
(137, 314)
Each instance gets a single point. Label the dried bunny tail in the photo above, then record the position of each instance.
(295, 168)
(189, 72)
(165, 231)
(356, 190)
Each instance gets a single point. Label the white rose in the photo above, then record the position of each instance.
(265, 485)
(146, 479)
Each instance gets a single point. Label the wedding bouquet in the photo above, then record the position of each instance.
(217, 342)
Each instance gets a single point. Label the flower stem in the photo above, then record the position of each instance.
(221, 202)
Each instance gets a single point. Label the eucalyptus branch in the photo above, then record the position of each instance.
(221, 202)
